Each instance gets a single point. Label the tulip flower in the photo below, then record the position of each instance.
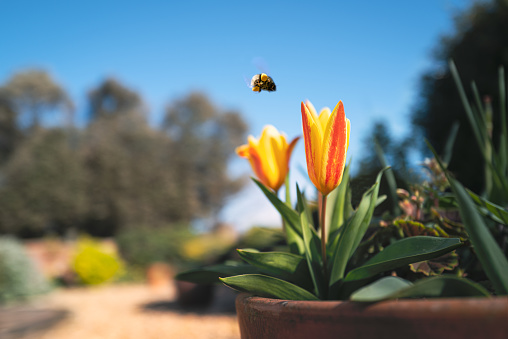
(326, 142)
(269, 156)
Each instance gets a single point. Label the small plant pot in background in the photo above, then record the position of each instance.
(193, 295)
(159, 276)
(409, 318)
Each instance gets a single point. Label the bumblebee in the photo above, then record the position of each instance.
(260, 82)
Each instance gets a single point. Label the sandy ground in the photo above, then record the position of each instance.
(133, 311)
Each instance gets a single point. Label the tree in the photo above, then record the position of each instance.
(42, 190)
(126, 164)
(112, 99)
(130, 181)
(10, 134)
(34, 95)
(203, 139)
(479, 46)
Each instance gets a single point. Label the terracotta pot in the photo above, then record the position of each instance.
(159, 275)
(409, 319)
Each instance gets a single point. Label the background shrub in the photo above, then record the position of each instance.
(19, 278)
(94, 263)
(142, 246)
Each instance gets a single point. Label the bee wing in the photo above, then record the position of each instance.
(261, 64)
(248, 82)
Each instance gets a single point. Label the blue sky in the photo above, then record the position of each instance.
(369, 54)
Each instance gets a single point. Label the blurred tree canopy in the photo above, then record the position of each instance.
(479, 46)
(35, 95)
(117, 172)
(202, 141)
(111, 99)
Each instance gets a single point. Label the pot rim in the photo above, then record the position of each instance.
(464, 306)
(254, 298)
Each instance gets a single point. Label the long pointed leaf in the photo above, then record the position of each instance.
(490, 255)
(211, 274)
(404, 252)
(364, 225)
(286, 266)
(499, 212)
(312, 252)
(390, 178)
(291, 220)
(269, 287)
(338, 204)
(441, 286)
(344, 245)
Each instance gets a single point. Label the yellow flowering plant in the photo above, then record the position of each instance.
(317, 265)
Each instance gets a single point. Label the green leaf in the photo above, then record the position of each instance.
(304, 206)
(382, 289)
(500, 213)
(441, 286)
(312, 251)
(290, 217)
(390, 178)
(404, 252)
(477, 131)
(365, 222)
(450, 142)
(497, 173)
(490, 255)
(286, 266)
(345, 245)
(268, 287)
(211, 274)
(339, 203)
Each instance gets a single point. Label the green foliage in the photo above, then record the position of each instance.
(492, 258)
(495, 155)
(34, 95)
(442, 286)
(261, 238)
(266, 286)
(403, 252)
(43, 188)
(19, 278)
(207, 248)
(115, 173)
(303, 274)
(94, 264)
(142, 246)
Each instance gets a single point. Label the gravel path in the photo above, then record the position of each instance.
(133, 312)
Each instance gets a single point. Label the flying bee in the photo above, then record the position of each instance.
(260, 82)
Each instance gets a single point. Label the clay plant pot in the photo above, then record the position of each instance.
(409, 318)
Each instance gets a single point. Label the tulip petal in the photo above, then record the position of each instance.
(311, 107)
(257, 166)
(334, 149)
(290, 148)
(269, 143)
(310, 145)
(348, 129)
(324, 115)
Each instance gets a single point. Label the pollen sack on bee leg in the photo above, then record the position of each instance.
(264, 77)
(256, 89)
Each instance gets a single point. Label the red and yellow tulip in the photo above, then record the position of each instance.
(269, 156)
(326, 142)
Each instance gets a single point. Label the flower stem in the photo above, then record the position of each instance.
(322, 224)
